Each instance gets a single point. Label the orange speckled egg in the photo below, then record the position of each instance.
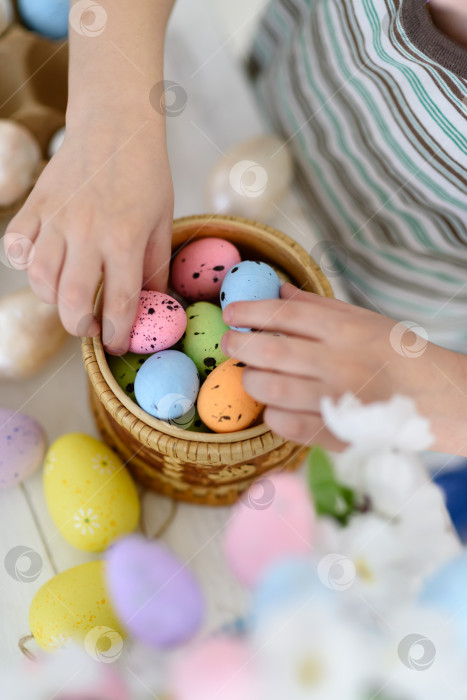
(223, 404)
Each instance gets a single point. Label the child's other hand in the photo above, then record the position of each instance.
(331, 347)
(103, 204)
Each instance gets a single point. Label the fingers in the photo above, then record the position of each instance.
(157, 259)
(283, 391)
(79, 278)
(289, 291)
(123, 277)
(44, 271)
(278, 353)
(304, 428)
(298, 318)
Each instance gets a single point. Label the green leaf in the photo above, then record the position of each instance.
(330, 497)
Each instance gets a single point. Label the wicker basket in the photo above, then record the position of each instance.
(207, 468)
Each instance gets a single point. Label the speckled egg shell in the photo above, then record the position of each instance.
(167, 385)
(223, 404)
(22, 447)
(203, 335)
(155, 595)
(125, 368)
(89, 493)
(191, 421)
(160, 322)
(250, 280)
(20, 156)
(72, 605)
(199, 268)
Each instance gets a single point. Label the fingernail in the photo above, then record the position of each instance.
(225, 343)
(115, 351)
(228, 315)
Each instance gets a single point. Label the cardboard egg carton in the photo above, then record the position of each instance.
(33, 88)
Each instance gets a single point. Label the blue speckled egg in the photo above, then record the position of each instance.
(446, 590)
(46, 17)
(167, 384)
(22, 447)
(250, 280)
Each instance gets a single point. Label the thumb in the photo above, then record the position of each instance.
(157, 259)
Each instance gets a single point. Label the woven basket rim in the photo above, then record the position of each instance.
(105, 377)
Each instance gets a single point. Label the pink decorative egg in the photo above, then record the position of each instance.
(199, 268)
(220, 667)
(160, 322)
(274, 520)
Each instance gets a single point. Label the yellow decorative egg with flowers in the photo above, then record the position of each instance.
(89, 493)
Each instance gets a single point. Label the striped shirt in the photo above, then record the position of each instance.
(372, 100)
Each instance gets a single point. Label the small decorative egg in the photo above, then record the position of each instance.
(199, 267)
(274, 520)
(56, 141)
(218, 667)
(90, 494)
(20, 156)
(248, 281)
(223, 404)
(74, 606)
(190, 421)
(22, 447)
(445, 591)
(291, 581)
(249, 178)
(6, 15)
(167, 385)
(30, 334)
(203, 335)
(155, 595)
(160, 322)
(124, 368)
(46, 17)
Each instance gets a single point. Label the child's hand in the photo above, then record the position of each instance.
(103, 204)
(331, 347)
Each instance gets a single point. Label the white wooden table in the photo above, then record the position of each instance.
(220, 113)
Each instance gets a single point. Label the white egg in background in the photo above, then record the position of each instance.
(6, 15)
(249, 178)
(20, 156)
(56, 142)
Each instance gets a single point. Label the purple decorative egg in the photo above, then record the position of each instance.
(155, 596)
(160, 322)
(198, 268)
(22, 447)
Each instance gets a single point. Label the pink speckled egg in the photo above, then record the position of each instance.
(199, 268)
(160, 322)
(22, 447)
(274, 520)
(219, 667)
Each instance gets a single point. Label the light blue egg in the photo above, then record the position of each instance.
(446, 590)
(250, 280)
(292, 581)
(167, 385)
(46, 17)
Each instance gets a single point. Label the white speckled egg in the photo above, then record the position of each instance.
(22, 447)
(6, 15)
(30, 334)
(90, 495)
(20, 156)
(249, 178)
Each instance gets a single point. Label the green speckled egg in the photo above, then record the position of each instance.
(203, 335)
(191, 421)
(124, 368)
